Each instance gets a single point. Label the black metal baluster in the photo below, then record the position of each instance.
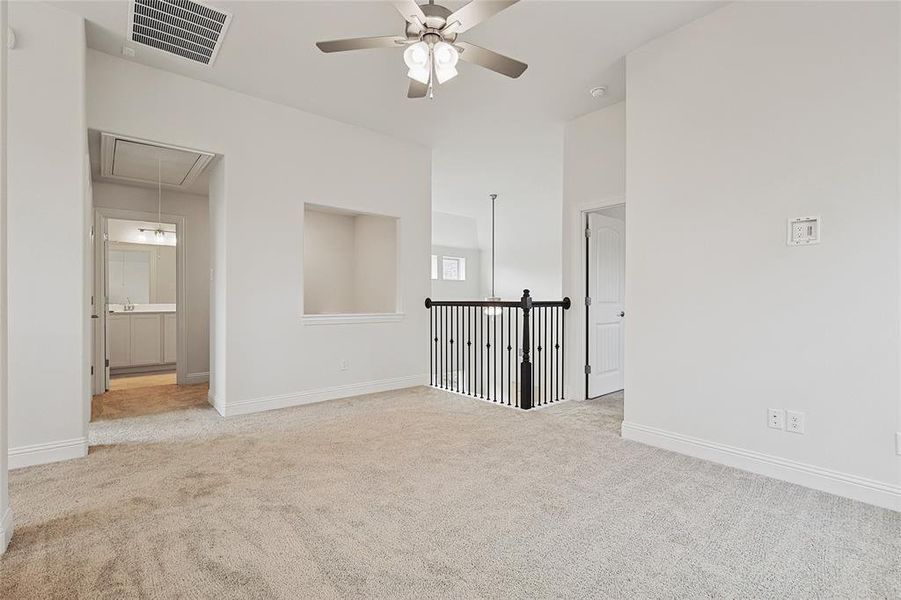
(494, 353)
(563, 350)
(500, 350)
(516, 375)
(507, 348)
(547, 357)
(556, 337)
(481, 354)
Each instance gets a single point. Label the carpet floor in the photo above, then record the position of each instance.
(422, 494)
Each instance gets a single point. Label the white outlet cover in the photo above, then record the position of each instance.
(794, 421)
(803, 231)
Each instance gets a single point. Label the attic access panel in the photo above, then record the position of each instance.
(184, 28)
(136, 160)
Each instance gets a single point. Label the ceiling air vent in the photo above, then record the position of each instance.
(181, 27)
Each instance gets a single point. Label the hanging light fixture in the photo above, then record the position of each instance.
(492, 311)
(159, 234)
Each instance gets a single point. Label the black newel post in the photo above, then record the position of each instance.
(525, 369)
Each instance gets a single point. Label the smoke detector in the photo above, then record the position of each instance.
(598, 92)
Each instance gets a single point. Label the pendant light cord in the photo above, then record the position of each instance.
(159, 192)
(493, 198)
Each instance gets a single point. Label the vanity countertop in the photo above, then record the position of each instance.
(142, 308)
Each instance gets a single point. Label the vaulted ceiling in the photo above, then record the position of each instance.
(269, 52)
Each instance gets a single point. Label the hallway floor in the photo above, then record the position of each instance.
(420, 493)
(149, 400)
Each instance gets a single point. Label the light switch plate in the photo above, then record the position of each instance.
(803, 231)
(775, 418)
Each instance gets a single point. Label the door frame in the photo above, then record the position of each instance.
(581, 275)
(101, 216)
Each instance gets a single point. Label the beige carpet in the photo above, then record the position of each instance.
(421, 494)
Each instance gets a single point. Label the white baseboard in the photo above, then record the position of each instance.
(244, 407)
(39, 454)
(214, 401)
(6, 529)
(866, 490)
(192, 378)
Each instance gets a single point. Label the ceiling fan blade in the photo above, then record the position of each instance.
(475, 12)
(388, 41)
(490, 60)
(410, 11)
(417, 89)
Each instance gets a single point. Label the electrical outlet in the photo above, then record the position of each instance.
(794, 421)
(344, 364)
(775, 418)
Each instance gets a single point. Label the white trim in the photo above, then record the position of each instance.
(253, 405)
(575, 370)
(6, 529)
(192, 378)
(211, 398)
(866, 490)
(181, 273)
(39, 454)
(352, 318)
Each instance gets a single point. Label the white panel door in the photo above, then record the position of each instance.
(118, 342)
(170, 339)
(606, 286)
(146, 343)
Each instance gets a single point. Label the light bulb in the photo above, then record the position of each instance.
(446, 57)
(420, 75)
(417, 55)
(417, 58)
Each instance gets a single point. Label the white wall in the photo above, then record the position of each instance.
(594, 175)
(6, 518)
(752, 115)
(49, 341)
(471, 288)
(328, 262)
(375, 264)
(525, 168)
(275, 159)
(196, 211)
(455, 231)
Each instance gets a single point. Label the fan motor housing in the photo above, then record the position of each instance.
(435, 20)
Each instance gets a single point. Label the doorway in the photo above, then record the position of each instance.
(605, 310)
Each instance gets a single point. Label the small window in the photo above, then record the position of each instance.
(434, 266)
(453, 268)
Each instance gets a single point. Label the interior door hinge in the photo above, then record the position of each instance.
(587, 300)
(106, 363)
(92, 369)
(588, 369)
(588, 232)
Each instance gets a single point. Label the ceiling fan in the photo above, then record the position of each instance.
(431, 45)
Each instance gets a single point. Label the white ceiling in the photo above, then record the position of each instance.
(269, 52)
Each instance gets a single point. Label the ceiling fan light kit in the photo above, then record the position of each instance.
(431, 48)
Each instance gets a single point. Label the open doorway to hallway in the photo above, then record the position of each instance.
(605, 310)
(151, 284)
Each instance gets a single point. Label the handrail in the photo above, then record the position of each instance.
(468, 351)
